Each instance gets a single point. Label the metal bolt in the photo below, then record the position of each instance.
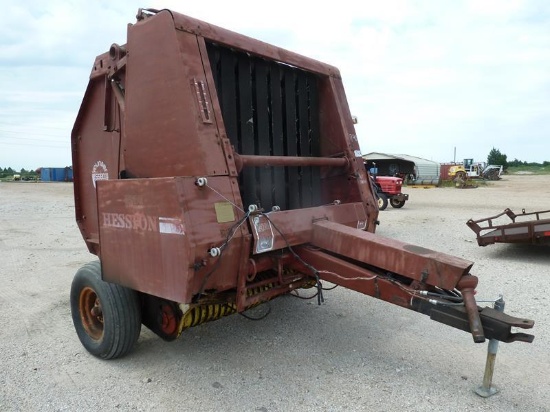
(215, 251)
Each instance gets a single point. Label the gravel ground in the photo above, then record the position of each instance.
(353, 353)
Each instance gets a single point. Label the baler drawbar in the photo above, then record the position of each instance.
(214, 172)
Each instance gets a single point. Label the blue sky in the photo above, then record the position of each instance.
(423, 77)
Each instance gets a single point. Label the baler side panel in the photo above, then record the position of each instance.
(338, 134)
(95, 157)
(155, 233)
(353, 152)
(170, 129)
(135, 250)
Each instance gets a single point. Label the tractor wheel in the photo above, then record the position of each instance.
(106, 316)
(397, 203)
(382, 201)
(460, 175)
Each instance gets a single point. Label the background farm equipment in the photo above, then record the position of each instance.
(388, 190)
(463, 173)
(520, 228)
(213, 173)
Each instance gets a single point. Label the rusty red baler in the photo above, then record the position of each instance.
(214, 172)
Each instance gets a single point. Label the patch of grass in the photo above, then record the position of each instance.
(527, 169)
(470, 182)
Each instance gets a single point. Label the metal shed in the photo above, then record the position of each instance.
(56, 174)
(415, 170)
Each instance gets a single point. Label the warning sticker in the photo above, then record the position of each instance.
(171, 226)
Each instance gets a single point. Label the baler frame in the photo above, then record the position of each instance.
(181, 128)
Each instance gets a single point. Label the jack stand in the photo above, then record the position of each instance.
(486, 390)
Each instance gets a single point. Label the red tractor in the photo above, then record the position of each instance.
(389, 189)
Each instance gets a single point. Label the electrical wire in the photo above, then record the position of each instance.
(223, 197)
(207, 276)
(303, 297)
(346, 278)
(233, 230)
(320, 298)
(332, 288)
(268, 311)
(451, 295)
(228, 238)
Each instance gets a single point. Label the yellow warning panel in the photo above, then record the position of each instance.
(224, 212)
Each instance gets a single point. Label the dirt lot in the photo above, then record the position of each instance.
(353, 353)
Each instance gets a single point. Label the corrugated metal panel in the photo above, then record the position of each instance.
(426, 171)
(379, 156)
(56, 174)
(444, 170)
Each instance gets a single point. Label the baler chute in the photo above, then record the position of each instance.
(214, 172)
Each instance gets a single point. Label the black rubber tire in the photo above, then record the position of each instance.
(461, 175)
(114, 332)
(382, 201)
(398, 204)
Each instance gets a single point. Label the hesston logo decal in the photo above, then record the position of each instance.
(99, 172)
(144, 223)
(136, 221)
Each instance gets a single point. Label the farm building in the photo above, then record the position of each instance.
(415, 170)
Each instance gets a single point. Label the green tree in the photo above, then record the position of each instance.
(497, 158)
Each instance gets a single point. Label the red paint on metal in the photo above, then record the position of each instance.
(352, 276)
(294, 227)
(467, 285)
(168, 322)
(267, 161)
(428, 266)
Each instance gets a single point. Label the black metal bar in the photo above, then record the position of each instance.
(228, 95)
(303, 139)
(291, 144)
(246, 128)
(279, 192)
(242, 161)
(262, 132)
(314, 139)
